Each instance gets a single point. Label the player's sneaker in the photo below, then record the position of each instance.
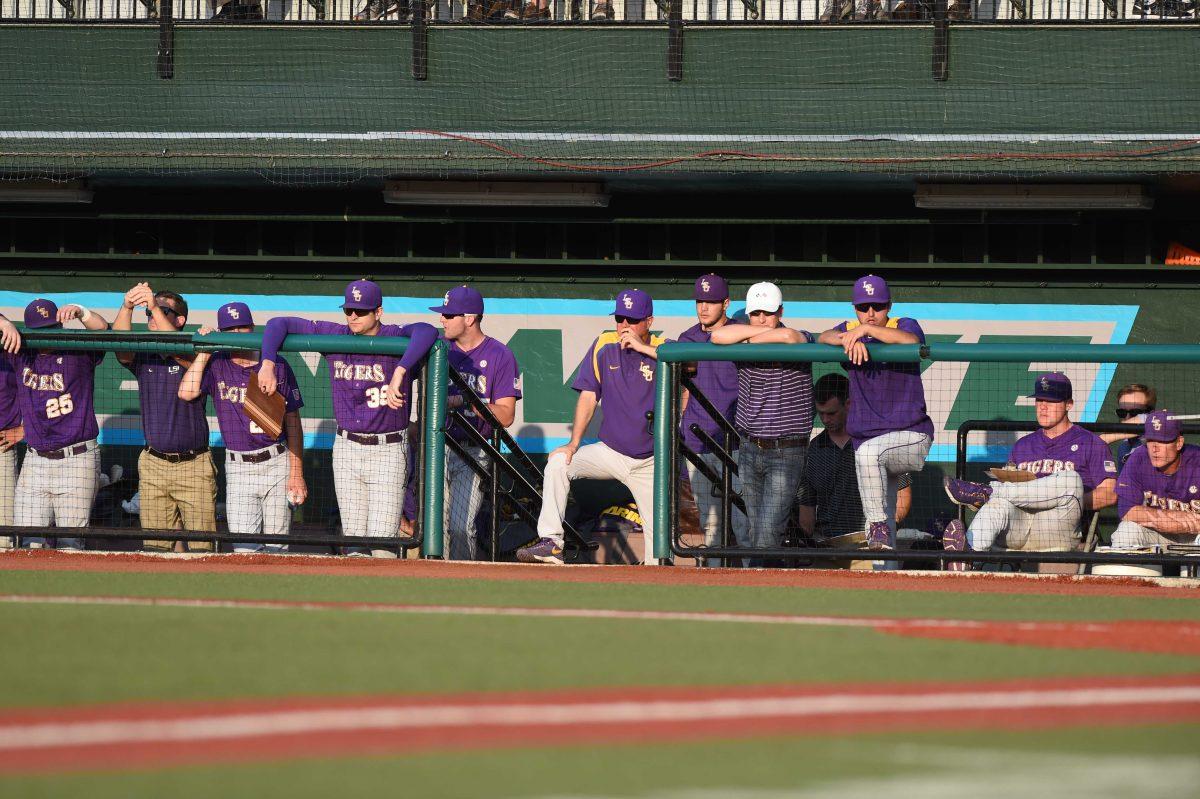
(964, 492)
(954, 539)
(544, 550)
(879, 536)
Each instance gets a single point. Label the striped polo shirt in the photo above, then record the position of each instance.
(775, 399)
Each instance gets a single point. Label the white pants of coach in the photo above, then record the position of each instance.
(464, 498)
(597, 462)
(256, 498)
(57, 492)
(1131, 535)
(1037, 514)
(8, 492)
(369, 480)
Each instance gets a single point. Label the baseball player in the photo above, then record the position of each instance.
(262, 474)
(11, 431)
(60, 475)
(490, 369)
(889, 427)
(718, 381)
(1075, 472)
(1158, 491)
(617, 374)
(370, 405)
(177, 481)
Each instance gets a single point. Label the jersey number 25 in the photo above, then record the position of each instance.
(59, 406)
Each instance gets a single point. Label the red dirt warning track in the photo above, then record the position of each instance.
(134, 736)
(51, 560)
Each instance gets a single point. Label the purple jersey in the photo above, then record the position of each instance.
(718, 381)
(491, 371)
(10, 406)
(623, 381)
(226, 381)
(55, 397)
(1141, 484)
(170, 424)
(1076, 450)
(360, 382)
(886, 397)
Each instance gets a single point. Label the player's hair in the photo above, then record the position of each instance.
(830, 386)
(1140, 388)
(177, 302)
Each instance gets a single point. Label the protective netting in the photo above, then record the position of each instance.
(328, 100)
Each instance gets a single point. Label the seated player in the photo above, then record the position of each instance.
(1158, 493)
(262, 473)
(1075, 473)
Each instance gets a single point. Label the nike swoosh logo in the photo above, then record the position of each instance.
(614, 367)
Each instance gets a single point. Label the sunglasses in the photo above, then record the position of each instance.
(1126, 413)
(164, 309)
(358, 311)
(626, 320)
(871, 306)
(452, 315)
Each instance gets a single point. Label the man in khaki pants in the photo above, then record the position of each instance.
(177, 481)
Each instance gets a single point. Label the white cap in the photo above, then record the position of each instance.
(764, 297)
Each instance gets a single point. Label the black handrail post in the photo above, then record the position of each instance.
(166, 39)
(726, 497)
(420, 41)
(941, 41)
(675, 41)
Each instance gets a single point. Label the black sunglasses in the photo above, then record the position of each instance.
(358, 311)
(452, 315)
(871, 306)
(1126, 413)
(626, 319)
(168, 311)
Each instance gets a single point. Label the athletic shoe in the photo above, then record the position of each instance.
(879, 536)
(966, 493)
(954, 539)
(544, 550)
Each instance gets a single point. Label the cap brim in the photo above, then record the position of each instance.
(440, 309)
(358, 306)
(1046, 398)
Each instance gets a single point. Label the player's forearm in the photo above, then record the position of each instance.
(1102, 496)
(505, 410)
(193, 378)
(585, 408)
(777, 335)
(732, 334)
(279, 329)
(124, 320)
(421, 338)
(892, 335)
(832, 336)
(1164, 521)
(95, 322)
(293, 430)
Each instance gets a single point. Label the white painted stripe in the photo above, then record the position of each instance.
(213, 727)
(572, 136)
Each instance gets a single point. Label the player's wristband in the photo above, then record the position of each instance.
(84, 313)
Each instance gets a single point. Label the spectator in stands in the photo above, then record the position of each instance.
(774, 416)
(1158, 493)
(1134, 401)
(829, 504)
(177, 481)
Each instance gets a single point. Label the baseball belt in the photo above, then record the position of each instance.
(781, 442)
(371, 438)
(177, 457)
(65, 452)
(257, 457)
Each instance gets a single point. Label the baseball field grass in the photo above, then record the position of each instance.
(291, 676)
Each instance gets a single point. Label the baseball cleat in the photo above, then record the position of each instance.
(879, 536)
(954, 539)
(966, 493)
(544, 550)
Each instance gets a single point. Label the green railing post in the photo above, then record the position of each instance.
(662, 459)
(434, 394)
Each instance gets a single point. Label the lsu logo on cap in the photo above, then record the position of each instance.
(446, 299)
(43, 312)
(627, 301)
(869, 288)
(1156, 423)
(233, 313)
(705, 286)
(357, 294)
(1045, 384)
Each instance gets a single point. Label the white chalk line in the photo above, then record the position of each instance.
(218, 727)
(1184, 628)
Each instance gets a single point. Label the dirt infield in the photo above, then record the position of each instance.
(51, 560)
(132, 736)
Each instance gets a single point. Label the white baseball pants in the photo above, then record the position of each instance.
(1040, 514)
(369, 481)
(879, 462)
(57, 493)
(1131, 535)
(256, 500)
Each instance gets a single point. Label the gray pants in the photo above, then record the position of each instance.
(57, 493)
(1040, 514)
(1131, 535)
(256, 500)
(464, 497)
(369, 481)
(8, 491)
(708, 503)
(879, 463)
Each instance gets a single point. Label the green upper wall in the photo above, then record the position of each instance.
(1092, 83)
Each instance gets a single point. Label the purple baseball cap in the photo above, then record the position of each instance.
(460, 300)
(41, 313)
(363, 294)
(1051, 387)
(234, 314)
(1161, 426)
(870, 288)
(634, 304)
(711, 288)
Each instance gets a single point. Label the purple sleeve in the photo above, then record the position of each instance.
(288, 387)
(911, 326)
(507, 378)
(586, 378)
(808, 337)
(693, 335)
(280, 328)
(421, 337)
(1129, 490)
(841, 327)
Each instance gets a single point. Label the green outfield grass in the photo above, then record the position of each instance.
(81, 654)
